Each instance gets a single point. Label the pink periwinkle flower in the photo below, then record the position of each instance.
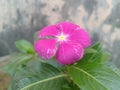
(65, 40)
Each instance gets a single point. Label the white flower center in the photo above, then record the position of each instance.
(62, 37)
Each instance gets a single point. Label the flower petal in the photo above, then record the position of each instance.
(81, 36)
(69, 53)
(48, 31)
(67, 27)
(46, 48)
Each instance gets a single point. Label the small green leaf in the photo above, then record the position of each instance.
(35, 36)
(95, 54)
(105, 56)
(90, 50)
(97, 46)
(25, 46)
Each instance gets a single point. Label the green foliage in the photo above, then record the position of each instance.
(17, 62)
(94, 76)
(35, 36)
(95, 54)
(24, 46)
(92, 72)
(41, 76)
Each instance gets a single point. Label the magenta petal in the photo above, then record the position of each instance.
(46, 48)
(49, 31)
(69, 53)
(67, 27)
(81, 36)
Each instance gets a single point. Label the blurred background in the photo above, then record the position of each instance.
(20, 19)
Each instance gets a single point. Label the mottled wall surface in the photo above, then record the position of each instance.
(19, 19)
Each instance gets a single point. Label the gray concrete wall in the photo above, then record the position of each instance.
(19, 19)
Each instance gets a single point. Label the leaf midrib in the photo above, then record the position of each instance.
(89, 76)
(45, 80)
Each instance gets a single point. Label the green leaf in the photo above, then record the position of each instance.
(39, 76)
(35, 36)
(94, 76)
(105, 56)
(51, 83)
(70, 86)
(16, 63)
(95, 54)
(90, 50)
(25, 46)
